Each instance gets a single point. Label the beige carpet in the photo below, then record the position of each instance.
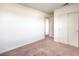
(45, 47)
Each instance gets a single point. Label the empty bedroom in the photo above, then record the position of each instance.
(39, 29)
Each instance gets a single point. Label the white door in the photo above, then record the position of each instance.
(47, 27)
(61, 28)
(56, 28)
(73, 29)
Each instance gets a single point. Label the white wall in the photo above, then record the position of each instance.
(19, 26)
(51, 26)
(61, 24)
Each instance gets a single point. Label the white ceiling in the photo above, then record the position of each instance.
(45, 7)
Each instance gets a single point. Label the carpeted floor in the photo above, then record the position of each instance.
(45, 47)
